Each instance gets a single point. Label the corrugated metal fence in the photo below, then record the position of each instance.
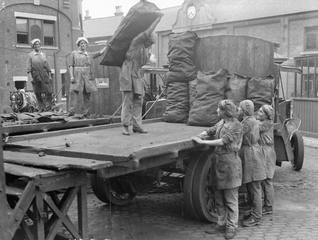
(305, 104)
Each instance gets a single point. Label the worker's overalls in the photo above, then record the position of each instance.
(83, 85)
(253, 164)
(228, 171)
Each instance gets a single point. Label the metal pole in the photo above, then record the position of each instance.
(308, 85)
(315, 82)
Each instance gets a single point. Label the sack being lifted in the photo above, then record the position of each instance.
(138, 19)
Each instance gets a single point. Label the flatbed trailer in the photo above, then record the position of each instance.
(115, 160)
(166, 145)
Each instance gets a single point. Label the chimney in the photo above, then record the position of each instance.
(87, 16)
(119, 11)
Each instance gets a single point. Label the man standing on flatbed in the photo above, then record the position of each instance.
(131, 80)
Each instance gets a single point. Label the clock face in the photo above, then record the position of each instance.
(191, 11)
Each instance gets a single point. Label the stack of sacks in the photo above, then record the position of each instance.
(237, 88)
(181, 71)
(261, 91)
(210, 90)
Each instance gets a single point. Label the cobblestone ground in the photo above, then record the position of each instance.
(161, 216)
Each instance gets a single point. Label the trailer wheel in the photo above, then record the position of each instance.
(297, 144)
(203, 191)
(188, 188)
(117, 191)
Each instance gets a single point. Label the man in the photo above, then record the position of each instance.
(131, 80)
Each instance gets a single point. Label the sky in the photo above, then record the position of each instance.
(106, 8)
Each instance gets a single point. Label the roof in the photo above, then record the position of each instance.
(101, 27)
(238, 10)
(222, 11)
(168, 18)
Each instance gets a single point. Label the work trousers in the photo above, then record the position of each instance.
(227, 207)
(131, 111)
(268, 191)
(254, 190)
(45, 101)
(79, 102)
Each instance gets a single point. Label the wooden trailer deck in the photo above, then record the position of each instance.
(40, 191)
(106, 143)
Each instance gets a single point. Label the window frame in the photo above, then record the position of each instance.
(307, 31)
(42, 31)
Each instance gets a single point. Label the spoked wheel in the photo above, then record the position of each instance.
(297, 144)
(117, 191)
(198, 193)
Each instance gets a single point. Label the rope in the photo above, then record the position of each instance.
(117, 110)
(153, 104)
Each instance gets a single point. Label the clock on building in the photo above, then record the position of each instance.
(191, 11)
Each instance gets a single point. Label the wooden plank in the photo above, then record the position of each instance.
(69, 131)
(38, 127)
(54, 162)
(22, 206)
(109, 142)
(29, 172)
(14, 191)
(38, 206)
(82, 212)
(4, 210)
(60, 214)
(62, 180)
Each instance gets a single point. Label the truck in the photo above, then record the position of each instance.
(140, 160)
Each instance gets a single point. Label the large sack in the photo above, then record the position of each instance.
(237, 88)
(181, 48)
(175, 77)
(138, 19)
(260, 91)
(210, 90)
(177, 105)
(192, 91)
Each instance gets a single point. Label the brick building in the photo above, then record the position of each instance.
(293, 24)
(56, 22)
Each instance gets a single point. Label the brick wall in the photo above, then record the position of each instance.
(13, 58)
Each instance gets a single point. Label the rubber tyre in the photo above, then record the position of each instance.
(188, 189)
(203, 194)
(114, 191)
(297, 144)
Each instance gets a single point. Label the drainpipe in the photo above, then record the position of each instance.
(55, 54)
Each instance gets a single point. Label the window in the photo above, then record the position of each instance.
(22, 30)
(48, 33)
(311, 38)
(28, 29)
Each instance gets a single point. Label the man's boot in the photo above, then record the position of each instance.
(139, 130)
(126, 131)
